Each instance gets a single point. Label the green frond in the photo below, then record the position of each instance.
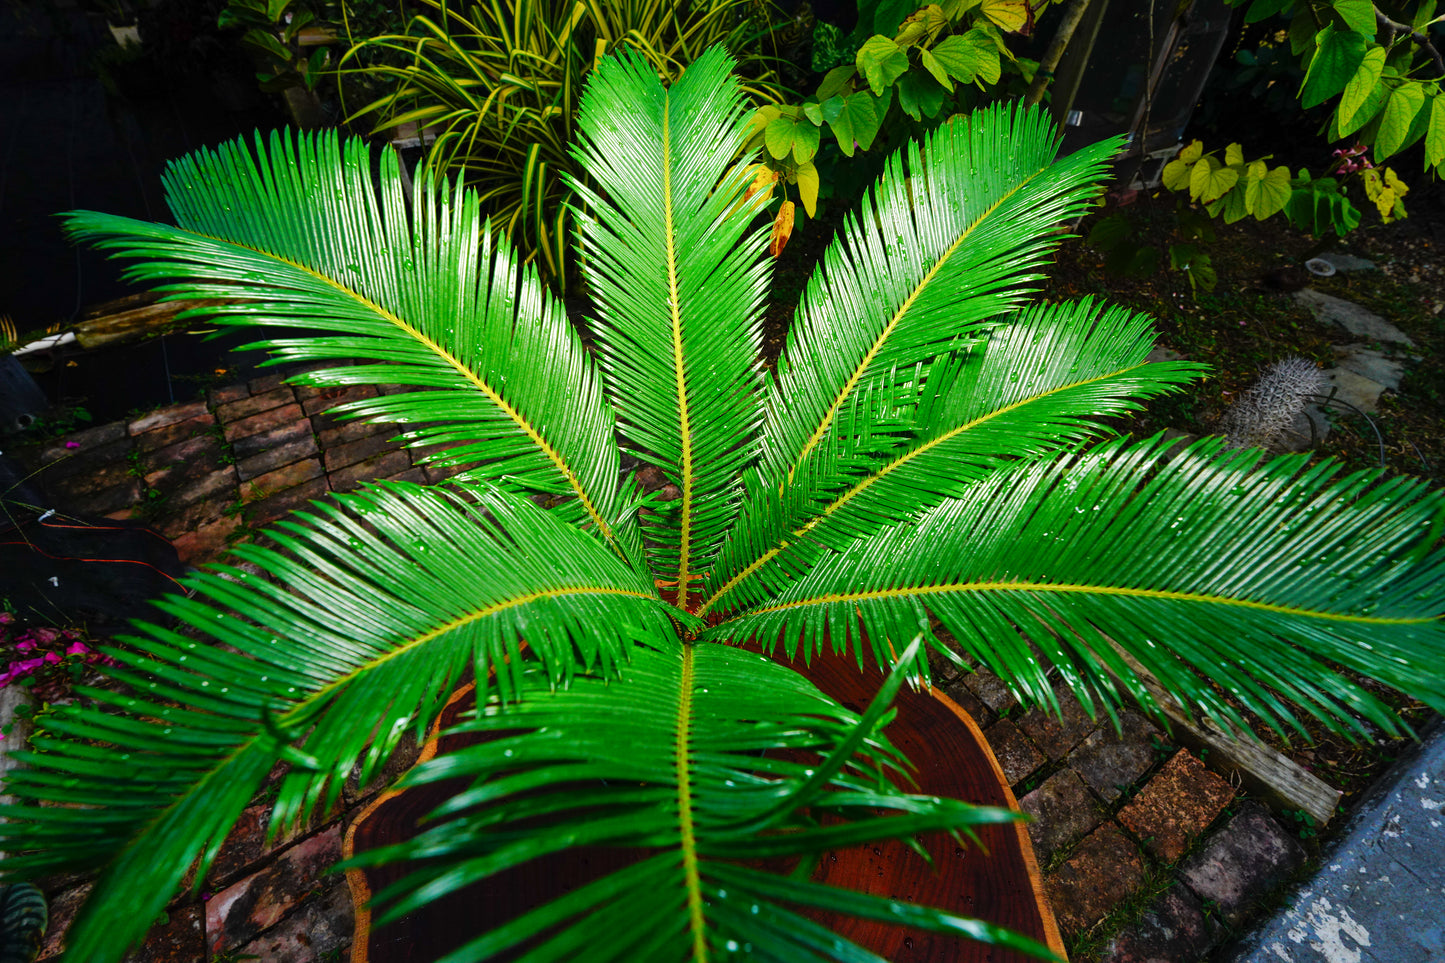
(679, 297)
(1032, 386)
(1233, 584)
(295, 235)
(938, 248)
(384, 601)
(697, 757)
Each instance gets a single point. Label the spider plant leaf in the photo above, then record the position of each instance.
(384, 600)
(702, 753)
(295, 235)
(1043, 381)
(678, 296)
(1238, 586)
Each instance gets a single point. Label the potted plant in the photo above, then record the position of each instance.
(922, 448)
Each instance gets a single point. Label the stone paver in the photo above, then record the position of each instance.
(1369, 363)
(1104, 870)
(1016, 755)
(322, 925)
(1057, 734)
(1350, 316)
(1176, 806)
(1377, 896)
(1110, 761)
(1251, 856)
(1173, 928)
(990, 691)
(1063, 811)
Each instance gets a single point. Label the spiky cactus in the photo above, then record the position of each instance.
(1262, 414)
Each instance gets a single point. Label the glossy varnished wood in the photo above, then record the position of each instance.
(995, 879)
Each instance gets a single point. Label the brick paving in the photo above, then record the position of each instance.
(1147, 853)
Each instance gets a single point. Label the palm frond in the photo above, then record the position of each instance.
(699, 756)
(1235, 584)
(679, 298)
(944, 242)
(1032, 386)
(297, 236)
(387, 598)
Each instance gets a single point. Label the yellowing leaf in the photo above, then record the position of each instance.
(762, 181)
(1192, 151)
(1268, 195)
(1234, 154)
(1011, 15)
(1209, 181)
(1176, 174)
(782, 228)
(807, 176)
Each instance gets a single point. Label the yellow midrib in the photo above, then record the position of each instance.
(892, 466)
(683, 761)
(817, 437)
(684, 415)
(1074, 589)
(521, 422)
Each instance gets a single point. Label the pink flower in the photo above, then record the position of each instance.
(52, 658)
(77, 648)
(6, 618)
(26, 667)
(44, 636)
(72, 444)
(25, 645)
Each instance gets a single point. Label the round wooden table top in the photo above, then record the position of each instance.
(996, 879)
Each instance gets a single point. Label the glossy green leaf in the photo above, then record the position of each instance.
(1336, 60)
(1405, 103)
(881, 61)
(968, 57)
(1435, 134)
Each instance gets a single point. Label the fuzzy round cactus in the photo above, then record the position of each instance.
(1262, 414)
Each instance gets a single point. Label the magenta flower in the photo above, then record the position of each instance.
(72, 444)
(25, 645)
(52, 658)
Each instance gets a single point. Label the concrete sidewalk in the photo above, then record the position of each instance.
(1379, 895)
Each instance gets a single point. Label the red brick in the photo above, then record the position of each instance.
(206, 542)
(63, 909)
(281, 479)
(1056, 735)
(436, 474)
(283, 503)
(245, 845)
(126, 494)
(1174, 927)
(323, 399)
(177, 431)
(1104, 870)
(282, 434)
(228, 394)
(176, 520)
(269, 382)
(272, 418)
(353, 475)
(1176, 806)
(61, 462)
(70, 480)
(84, 440)
(220, 483)
(167, 417)
(1016, 755)
(255, 404)
(322, 925)
(254, 904)
(1063, 811)
(183, 461)
(277, 457)
(356, 451)
(416, 476)
(349, 431)
(180, 939)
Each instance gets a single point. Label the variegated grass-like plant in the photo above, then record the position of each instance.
(929, 445)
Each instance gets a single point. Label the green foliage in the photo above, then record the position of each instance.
(273, 33)
(923, 449)
(493, 88)
(902, 61)
(1382, 62)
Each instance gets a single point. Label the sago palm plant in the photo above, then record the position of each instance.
(924, 448)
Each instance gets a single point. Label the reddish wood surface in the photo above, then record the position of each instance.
(998, 881)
